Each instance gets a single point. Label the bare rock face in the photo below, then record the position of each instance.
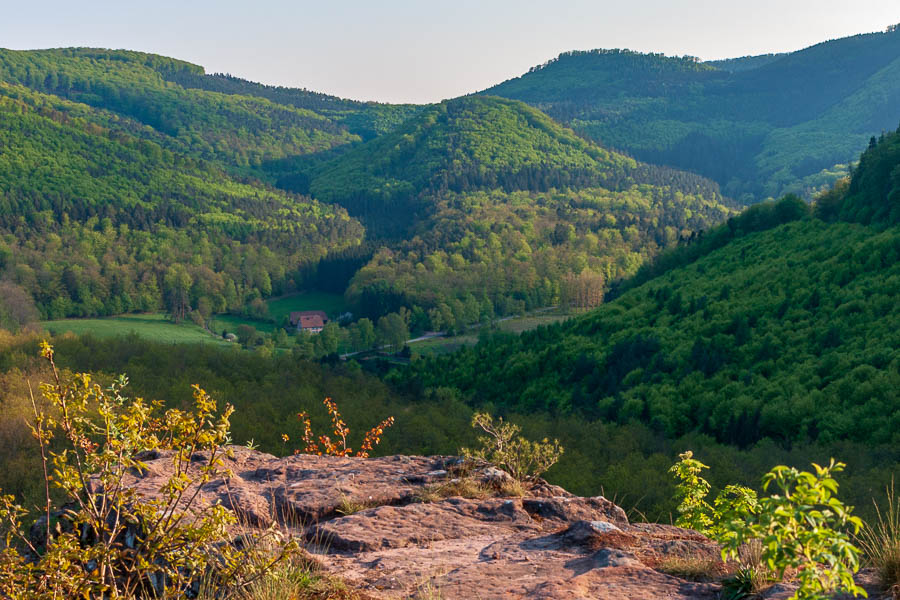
(365, 522)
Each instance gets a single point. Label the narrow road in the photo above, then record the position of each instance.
(436, 334)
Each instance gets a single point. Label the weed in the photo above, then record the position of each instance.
(880, 542)
(347, 506)
(692, 568)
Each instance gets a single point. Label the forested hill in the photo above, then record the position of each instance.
(95, 219)
(491, 207)
(476, 143)
(760, 126)
(783, 325)
(240, 131)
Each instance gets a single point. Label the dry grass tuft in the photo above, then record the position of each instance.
(463, 487)
(692, 568)
(298, 580)
(347, 506)
(880, 541)
(512, 488)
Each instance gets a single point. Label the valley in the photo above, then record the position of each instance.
(632, 254)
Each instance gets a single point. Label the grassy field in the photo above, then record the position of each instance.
(280, 307)
(514, 325)
(220, 323)
(155, 327)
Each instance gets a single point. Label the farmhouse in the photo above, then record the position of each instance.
(309, 320)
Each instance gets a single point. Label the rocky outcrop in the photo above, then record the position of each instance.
(366, 521)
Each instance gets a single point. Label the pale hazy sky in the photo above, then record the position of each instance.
(424, 50)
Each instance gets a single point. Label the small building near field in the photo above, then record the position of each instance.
(311, 321)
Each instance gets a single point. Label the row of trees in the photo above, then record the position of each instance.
(390, 333)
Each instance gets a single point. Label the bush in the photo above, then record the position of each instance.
(801, 527)
(105, 540)
(502, 446)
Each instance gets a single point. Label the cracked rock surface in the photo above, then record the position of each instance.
(365, 521)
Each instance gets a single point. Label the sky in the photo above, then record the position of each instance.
(426, 50)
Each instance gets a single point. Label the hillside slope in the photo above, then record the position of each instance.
(94, 220)
(760, 126)
(234, 130)
(490, 207)
(789, 331)
(472, 144)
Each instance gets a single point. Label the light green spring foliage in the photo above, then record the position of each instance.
(523, 459)
(733, 503)
(691, 491)
(109, 541)
(96, 220)
(801, 527)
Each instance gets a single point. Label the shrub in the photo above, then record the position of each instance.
(103, 539)
(338, 447)
(801, 527)
(502, 446)
(691, 491)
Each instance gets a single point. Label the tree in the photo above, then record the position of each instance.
(392, 332)
(178, 283)
(16, 307)
(246, 334)
(363, 334)
(328, 340)
(584, 290)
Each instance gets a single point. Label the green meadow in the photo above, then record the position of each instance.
(155, 326)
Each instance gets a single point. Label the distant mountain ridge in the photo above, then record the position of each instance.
(760, 126)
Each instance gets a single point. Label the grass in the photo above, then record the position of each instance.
(280, 307)
(467, 487)
(692, 568)
(346, 506)
(230, 323)
(297, 580)
(514, 325)
(528, 322)
(880, 541)
(155, 327)
(462, 487)
(752, 578)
